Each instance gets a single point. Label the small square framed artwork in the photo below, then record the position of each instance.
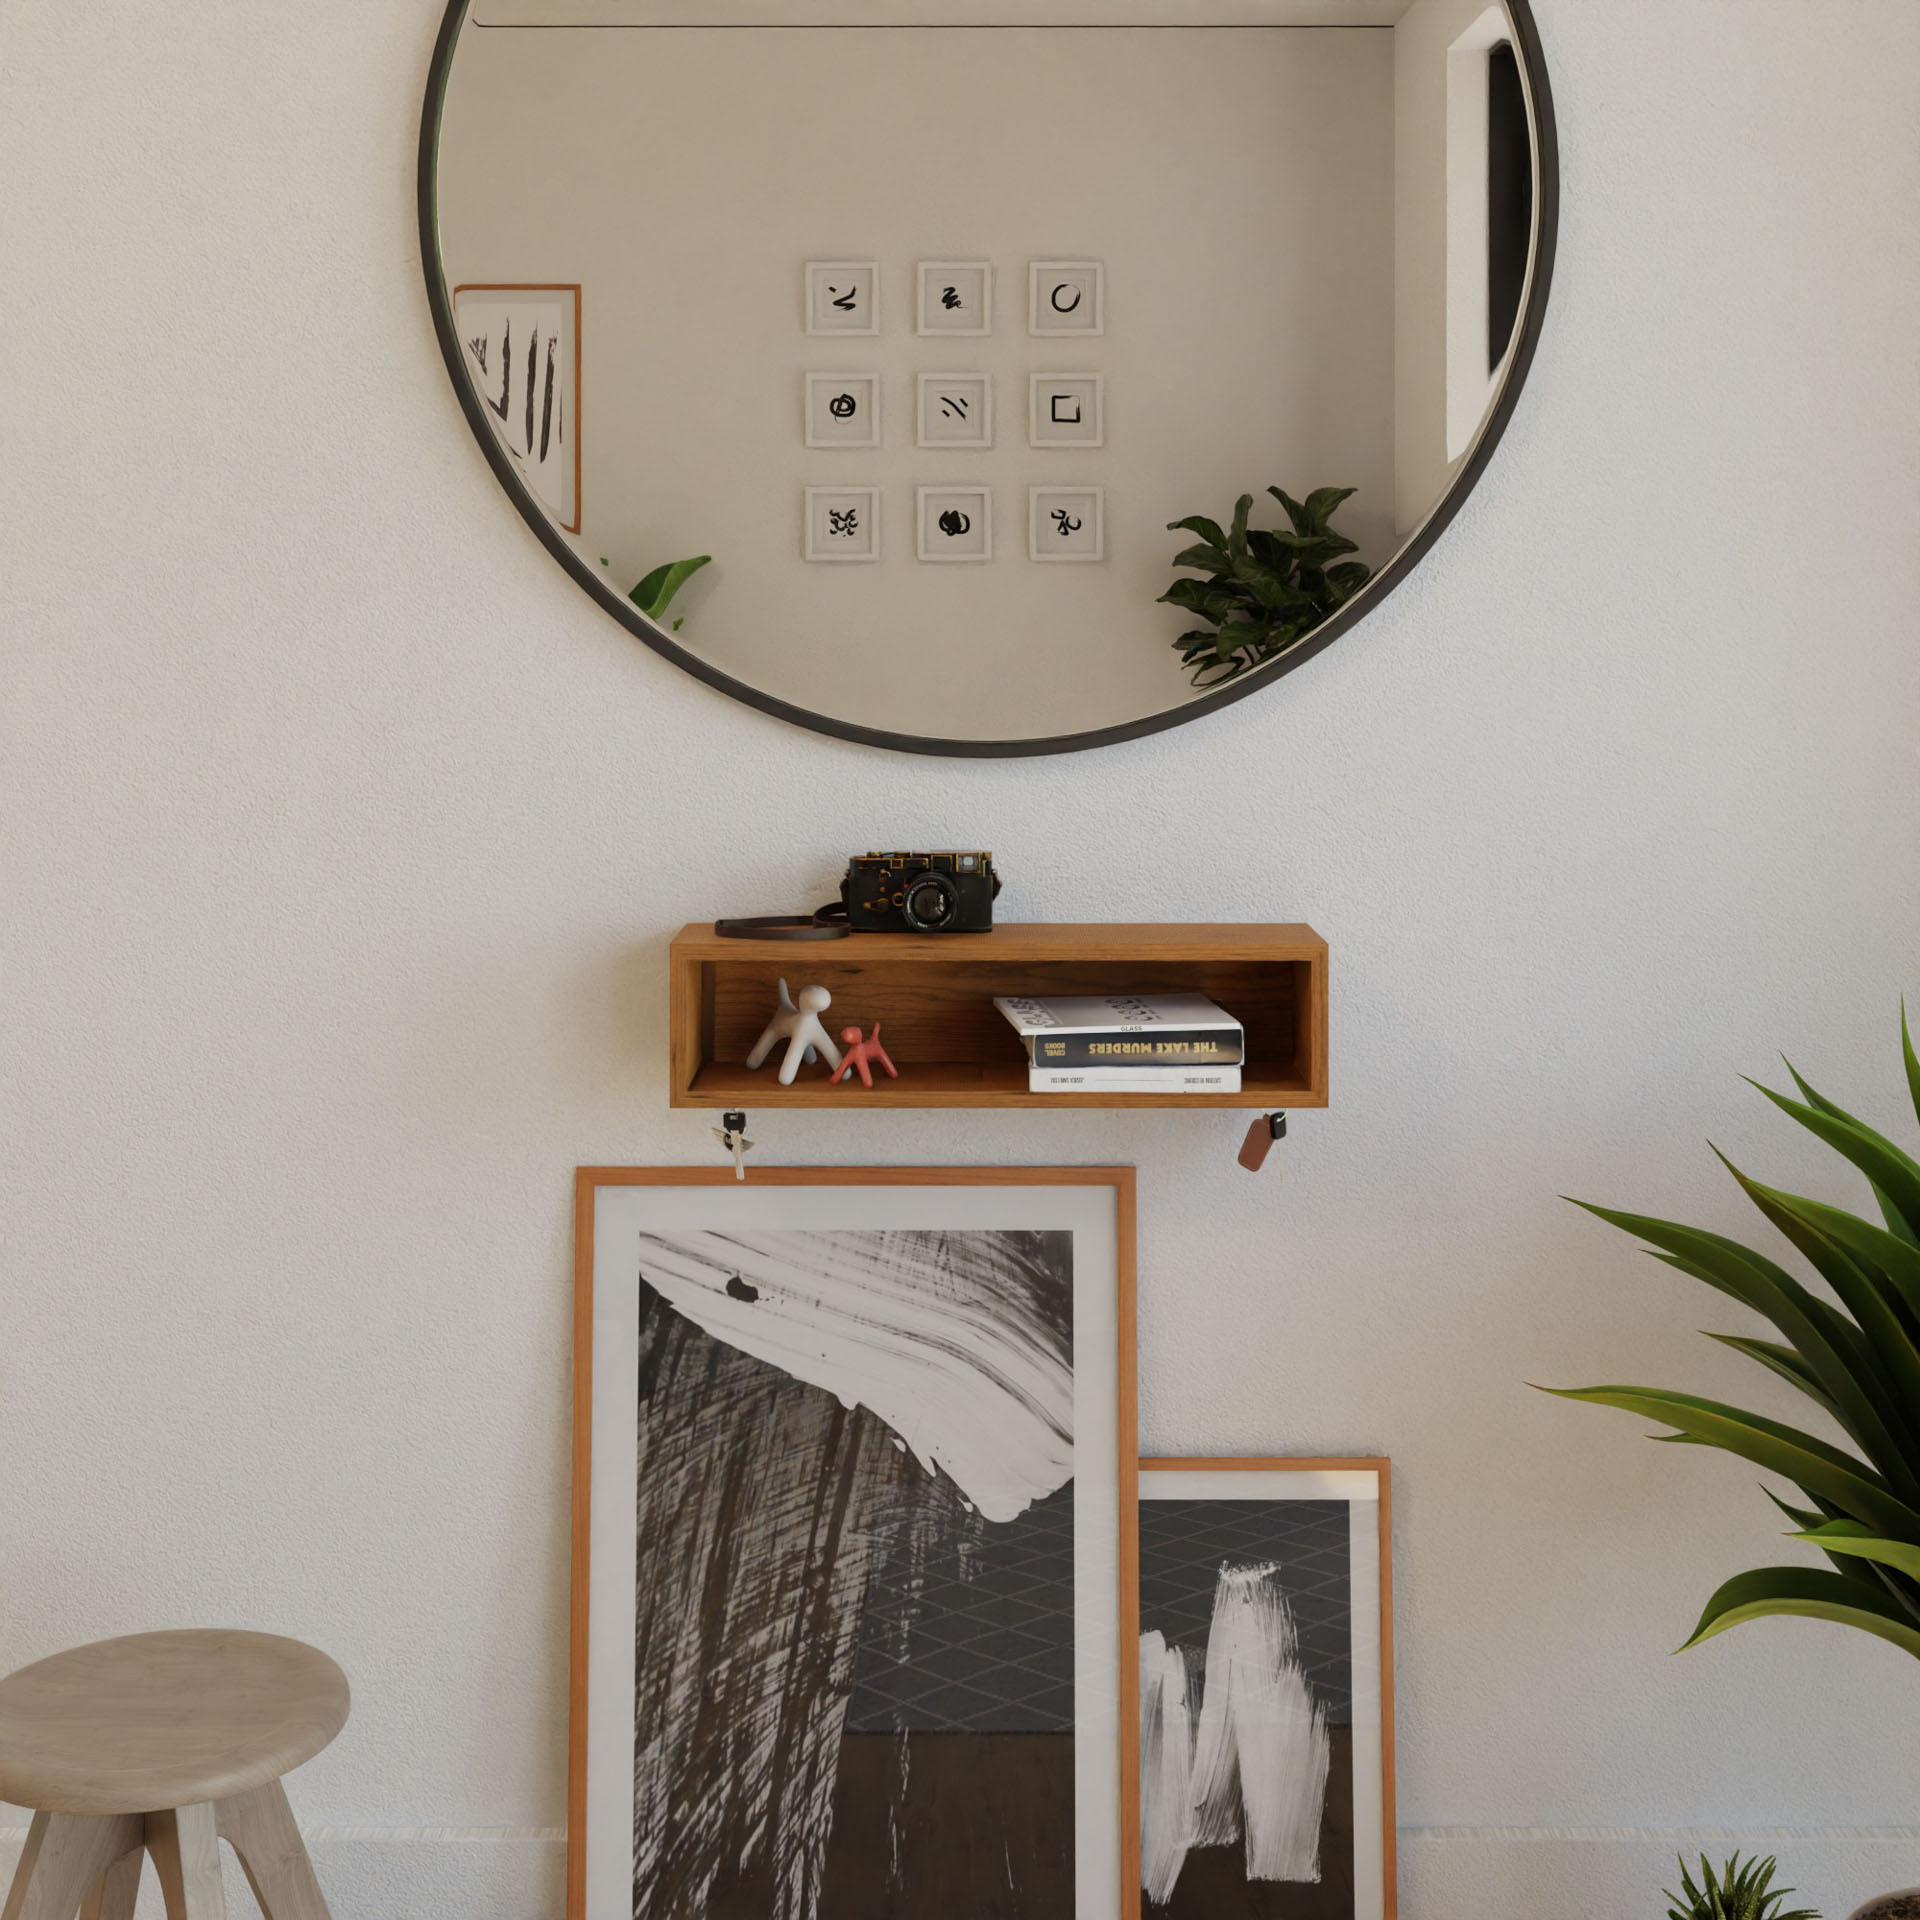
(956, 296)
(1067, 410)
(1266, 1630)
(1067, 523)
(956, 524)
(956, 410)
(843, 410)
(843, 296)
(1066, 299)
(843, 523)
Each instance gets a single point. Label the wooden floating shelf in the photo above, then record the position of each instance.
(933, 996)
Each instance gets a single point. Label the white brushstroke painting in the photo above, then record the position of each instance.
(956, 1363)
(521, 350)
(1233, 1745)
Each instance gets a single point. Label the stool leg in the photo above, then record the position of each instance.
(259, 1826)
(117, 1891)
(64, 1855)
(186, 1854)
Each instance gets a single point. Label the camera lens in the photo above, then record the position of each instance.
(930, 903)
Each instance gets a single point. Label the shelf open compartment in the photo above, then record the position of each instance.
(933, 997)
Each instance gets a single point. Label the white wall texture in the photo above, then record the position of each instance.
(341, 842)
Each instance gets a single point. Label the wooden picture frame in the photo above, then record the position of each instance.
(984, 1252)
(1320, 1586)
(565, 296)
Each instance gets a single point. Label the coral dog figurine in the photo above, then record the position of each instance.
(859, 1052)
(799, 1026)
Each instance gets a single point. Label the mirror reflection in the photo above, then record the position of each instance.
(980, 383)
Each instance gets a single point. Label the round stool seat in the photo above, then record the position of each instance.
(164, 1720)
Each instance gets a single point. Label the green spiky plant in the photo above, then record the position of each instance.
(1736, 1893)
(1858, 1362)
(1263, 591)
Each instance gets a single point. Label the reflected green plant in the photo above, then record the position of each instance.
(1262, 591)
(655, 594)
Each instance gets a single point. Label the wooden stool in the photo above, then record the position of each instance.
(165, 1743)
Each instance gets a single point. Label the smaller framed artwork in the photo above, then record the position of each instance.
(1266, 1690)
(1066, 299)
(956, 296)
(1067, 523)
(843, 410)
(1067, 410)
(520, 345)
(956, 410)
(843, 523)
(843, 296)
(956, 523)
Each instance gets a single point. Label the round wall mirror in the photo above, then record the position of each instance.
(976, 379)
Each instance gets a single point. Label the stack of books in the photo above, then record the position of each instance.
(1128, 1043)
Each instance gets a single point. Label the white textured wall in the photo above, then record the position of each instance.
(340, 843)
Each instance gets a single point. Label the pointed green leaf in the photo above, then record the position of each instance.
(1209, 530)
(1830, 1343)
(1896, 1199)
(1874, 1248)
(1889, 1372)
(1301, 518)
(654, 595)
(1850, 1537)
(1810, 1463)
(1912, 1062)
(1203, 559)
(1807, 1593)
(1237, 534)
(1777, 1359)
(1191, 594)
(1324, 502)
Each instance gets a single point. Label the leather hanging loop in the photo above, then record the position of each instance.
(1260, 1138)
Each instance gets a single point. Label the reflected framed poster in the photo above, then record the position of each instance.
(1266, 1690)
(521, 347)
(854, 1510)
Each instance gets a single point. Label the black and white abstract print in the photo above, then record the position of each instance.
(521, 355)
(854, 1627)
(1246, 1710)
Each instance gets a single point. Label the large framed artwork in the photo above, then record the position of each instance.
(854, 1516)
(1266, 1690)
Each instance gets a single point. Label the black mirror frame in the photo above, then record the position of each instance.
(1533, 317)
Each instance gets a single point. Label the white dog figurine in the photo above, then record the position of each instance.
(800, 1028)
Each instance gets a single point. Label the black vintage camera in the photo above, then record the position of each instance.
(920, 892)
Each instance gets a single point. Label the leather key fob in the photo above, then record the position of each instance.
(1260, 1138)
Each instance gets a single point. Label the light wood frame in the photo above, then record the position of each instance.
(1382, 1470)
(587, 1183)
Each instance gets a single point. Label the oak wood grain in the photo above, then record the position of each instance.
(162, 1720)
(117, 1892)
(185, 1845)
(65, 1854)
(259, 1827)
(933, 999)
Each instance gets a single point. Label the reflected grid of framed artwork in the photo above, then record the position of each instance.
(953, 412)
(854, 1580)
(1266, 1690)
